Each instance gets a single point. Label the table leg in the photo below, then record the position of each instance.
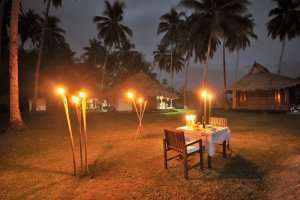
(209, 162)
(224, 150)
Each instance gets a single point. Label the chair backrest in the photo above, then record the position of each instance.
(175, 140)
(218, 121)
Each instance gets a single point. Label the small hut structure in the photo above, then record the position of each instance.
(262, 90)
(144, 86)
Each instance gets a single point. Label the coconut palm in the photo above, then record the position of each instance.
(241, 39)
(169, 26)
(163, 59)
(186, 46)
(56, 4)
(15, 119)
(95, 52)
(284, 23)
(211, 21)
(111, 30)
(30, 27)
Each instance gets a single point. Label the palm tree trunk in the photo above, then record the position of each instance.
(205, 70)
(237, 64)
(185, 99)
(224, 67)
(281, 55)
(39, 59)
(172, 69)
(224, 76)
(104, 68)
(2, 4)
(15, 120)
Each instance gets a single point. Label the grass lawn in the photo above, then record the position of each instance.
(37, 164)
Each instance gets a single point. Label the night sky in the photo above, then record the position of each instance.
(142, 16)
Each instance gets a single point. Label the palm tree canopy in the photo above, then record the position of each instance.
(214, 19)
(110, 28)
(95, 52)
(163, 59)
(30, 26)
(55, 3)
(241, 39)
(285, 20)
(170, 24)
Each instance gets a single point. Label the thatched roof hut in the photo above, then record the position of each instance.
(262, 90)
(260, 78)
(142, 85)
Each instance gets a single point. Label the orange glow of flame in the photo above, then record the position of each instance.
(130, 95)
(61, 91)
(82, 94)
(140, 100)
(75, 100)
(204, 93)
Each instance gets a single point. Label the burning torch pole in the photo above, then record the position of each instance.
(62, 93)
(83, 107)
(76, 102)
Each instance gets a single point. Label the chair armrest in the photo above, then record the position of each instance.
(195, 142)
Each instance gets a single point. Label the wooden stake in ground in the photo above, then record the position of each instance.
(61, 92)
(83, 107)
(140, 111)
(76, 102)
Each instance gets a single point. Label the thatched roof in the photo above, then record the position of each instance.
(260, 78)
(141, 84)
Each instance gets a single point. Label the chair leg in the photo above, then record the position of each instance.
(165, 155)
(224, 150)
(201, 155)
(209, 165)
(185, 166)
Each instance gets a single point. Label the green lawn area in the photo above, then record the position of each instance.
(37, 164)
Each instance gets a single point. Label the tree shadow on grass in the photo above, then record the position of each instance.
(241, 168)
(45, 187)
(35, 169)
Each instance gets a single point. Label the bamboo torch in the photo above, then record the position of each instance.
(83, 95)
(76, 102)
(62, 93)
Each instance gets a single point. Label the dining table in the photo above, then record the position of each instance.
(211, 136)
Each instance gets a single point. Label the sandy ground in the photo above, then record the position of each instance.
(37, 164)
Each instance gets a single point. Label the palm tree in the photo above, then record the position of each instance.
(111, 30)
(30, 27)
(284, 23)
(211, 21)
(95, 52)
(186, 47)
(163, 59)
(55, 3)
(241, 39)
(169, 25)
(16, 121)
(2, 7)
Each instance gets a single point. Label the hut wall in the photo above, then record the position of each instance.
(270, 100)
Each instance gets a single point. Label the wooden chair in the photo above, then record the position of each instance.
(218, 121)
(175, 141)
(221, 122)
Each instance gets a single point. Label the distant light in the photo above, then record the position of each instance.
(204, 93)
(82, 94)
(75, 100)
(210, 96)
(61, 91)
(140, 100)
(130, 95)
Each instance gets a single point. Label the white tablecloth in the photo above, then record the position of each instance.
(209, 136)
